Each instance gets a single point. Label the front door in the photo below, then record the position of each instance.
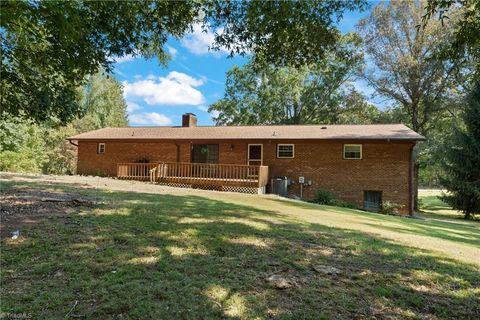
(255, 154)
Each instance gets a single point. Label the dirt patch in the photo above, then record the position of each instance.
(20, 208)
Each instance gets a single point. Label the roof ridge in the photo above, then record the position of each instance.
(275, 132)
(259, 125)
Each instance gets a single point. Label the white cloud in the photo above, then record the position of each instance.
(215, 113)
(172, 51)
(175, 89)
(125, 58)
(132, 106)
(150, 118)
(185, 78)
(203, 108)
(198, 41)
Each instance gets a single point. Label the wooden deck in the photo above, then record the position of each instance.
(226, 177)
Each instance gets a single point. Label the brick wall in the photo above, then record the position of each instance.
(384, 167)
(92, 163)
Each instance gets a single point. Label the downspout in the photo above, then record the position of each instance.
(410, 182)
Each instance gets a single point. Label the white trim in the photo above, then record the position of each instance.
(353, 145)
(98, 148)
(285, 144)
(261, 153)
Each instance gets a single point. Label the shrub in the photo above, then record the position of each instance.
(389, 207)
(324, 197)
(328, 198)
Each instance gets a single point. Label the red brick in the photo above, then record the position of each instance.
(384, 167)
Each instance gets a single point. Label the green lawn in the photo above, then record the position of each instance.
(201, 255)
(432, 206)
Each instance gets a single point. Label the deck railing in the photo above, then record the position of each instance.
(196, 173)
(135, 171)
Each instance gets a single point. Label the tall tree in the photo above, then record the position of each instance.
(467, 31)
(260, 93)
(31, 147)
(462, 160)
(102, 100)
(404, 63)
(49, 47)
(22, 145)
(404, 67)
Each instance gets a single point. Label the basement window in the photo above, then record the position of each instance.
(101, 148)
(285, 151)
(372, 200)
(352, 151)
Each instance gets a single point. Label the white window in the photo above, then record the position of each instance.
(101, 148)
(352, 151)
(285, 150)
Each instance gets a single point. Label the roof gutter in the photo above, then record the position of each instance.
(72, 143)
(176, 139)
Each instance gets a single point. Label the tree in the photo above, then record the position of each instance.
(261, 93)
(462, 160)
(404, 64)
(467, 34)
(31, 147)
(22, 145)
(102, 99)
(49, 47)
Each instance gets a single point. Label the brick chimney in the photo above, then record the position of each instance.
(189, 120)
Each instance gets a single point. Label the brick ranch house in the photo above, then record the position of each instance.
(361, 164)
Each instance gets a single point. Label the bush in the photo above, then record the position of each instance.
(344, 204)
(389, 207)
(328, 198)
(324, 197)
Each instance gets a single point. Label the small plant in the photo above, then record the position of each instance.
(389, 207)
(344, 204)
(324, 197)
(328, 198)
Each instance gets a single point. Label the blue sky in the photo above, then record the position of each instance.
(194, 78)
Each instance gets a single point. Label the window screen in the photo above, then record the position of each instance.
(352, 151)
(372, 200)
(205, 153)
(285, 151)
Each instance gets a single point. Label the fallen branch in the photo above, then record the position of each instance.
(74, 305)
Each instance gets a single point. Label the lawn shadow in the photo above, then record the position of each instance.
(165, 256)
(442, 229)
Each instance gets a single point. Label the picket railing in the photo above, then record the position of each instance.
(196, 173)
(135, 171)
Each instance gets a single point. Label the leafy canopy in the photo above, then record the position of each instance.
(467, 34)
(49, 47)
(404, 66)
(261, 93)
(31, 147)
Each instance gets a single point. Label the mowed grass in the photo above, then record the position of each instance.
(165, 256)
(432, 206)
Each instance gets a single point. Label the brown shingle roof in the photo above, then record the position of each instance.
(284, 132)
